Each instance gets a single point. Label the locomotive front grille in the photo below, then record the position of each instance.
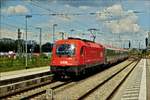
(73, 70)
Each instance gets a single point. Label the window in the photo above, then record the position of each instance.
(81, 51)
(65, 49)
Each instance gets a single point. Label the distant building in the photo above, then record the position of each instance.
(7, 40)
(31, 42)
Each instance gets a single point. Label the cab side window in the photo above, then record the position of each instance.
(81, 51)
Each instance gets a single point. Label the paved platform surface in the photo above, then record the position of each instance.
(24, 72)
(137, 85)
(148, 78)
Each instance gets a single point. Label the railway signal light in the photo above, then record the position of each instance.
(129, 44)
(19, 33)
(146, 42)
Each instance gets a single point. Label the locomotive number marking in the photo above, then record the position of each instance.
(63, 62)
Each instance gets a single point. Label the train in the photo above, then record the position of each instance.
(73, 56)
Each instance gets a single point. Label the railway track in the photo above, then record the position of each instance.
(31, 93)
(15, 88)
(81, 89)
(84, 89)
(106, 89)
(74, 90)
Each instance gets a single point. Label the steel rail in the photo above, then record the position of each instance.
(105, 81)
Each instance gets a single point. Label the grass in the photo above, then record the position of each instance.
(10, 64)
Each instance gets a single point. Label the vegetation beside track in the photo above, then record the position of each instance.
(17, 63)
(139, 53)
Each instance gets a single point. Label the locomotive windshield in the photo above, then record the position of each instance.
(65, 49)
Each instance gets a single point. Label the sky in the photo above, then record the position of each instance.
(115, 22)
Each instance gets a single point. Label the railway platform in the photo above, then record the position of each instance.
(137, 85)
(22, 73)
(148, 78)
(14, 81)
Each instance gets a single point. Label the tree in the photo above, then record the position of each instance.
(47, 47)
(7, 44)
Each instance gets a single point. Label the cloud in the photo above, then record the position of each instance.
(65, 17)
(67, 6)
(115, 10)
(112, 11)
(127, 24)
(125, 21)
(90, 3)
(19, 9)
(84, 7)
(8, 34)
(147, 3)
(119, 27)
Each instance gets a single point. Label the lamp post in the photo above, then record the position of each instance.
(40, 38)
(140, 44)
(27, 16)
(54, 25)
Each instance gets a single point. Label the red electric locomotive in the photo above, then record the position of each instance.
(72, 56)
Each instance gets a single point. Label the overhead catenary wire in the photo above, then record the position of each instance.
(56, 13)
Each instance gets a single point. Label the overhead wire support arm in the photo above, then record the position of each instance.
(91, 31)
